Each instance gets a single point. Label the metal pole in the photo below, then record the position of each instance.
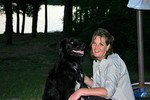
(140, 48)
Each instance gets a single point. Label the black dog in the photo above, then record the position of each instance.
(67, 74)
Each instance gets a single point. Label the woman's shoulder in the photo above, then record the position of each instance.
(116, 60)
(114, 56)
(113, 59)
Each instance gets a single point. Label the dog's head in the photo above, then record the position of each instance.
(71, 47)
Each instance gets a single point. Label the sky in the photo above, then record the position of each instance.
(55, 20)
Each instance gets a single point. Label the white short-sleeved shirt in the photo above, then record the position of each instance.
(112, 74)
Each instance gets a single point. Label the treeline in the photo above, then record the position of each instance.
(55, 2)
(82, 17)
(121, 21)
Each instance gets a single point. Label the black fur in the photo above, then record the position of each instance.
(63, 78)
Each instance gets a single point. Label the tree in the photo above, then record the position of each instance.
(27, 8)
(22, 7)
(18, 18)
(31, 8)
(9, 27)
(36, 5)
(67, 26)
(45, 31)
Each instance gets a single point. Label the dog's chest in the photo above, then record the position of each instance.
(80, 77)
(78, 71)
(77, 86)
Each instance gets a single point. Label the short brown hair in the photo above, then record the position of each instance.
(109, 40)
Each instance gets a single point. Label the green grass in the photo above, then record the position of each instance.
(24, 66)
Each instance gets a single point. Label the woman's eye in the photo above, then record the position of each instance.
(93, 44)
(100, 44)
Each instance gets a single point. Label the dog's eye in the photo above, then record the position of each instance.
(72, 42)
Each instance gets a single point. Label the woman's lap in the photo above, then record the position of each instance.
(95, 98)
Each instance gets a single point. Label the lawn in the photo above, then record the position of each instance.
(24, 65)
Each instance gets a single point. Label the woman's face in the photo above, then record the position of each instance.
(99, 47)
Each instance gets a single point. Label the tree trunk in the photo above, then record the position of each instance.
(67, 27)
(45, 31)
(9, 27)
(35, 18)
(23, 21)
(18, 20)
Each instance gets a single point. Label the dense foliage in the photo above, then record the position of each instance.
(116, 17)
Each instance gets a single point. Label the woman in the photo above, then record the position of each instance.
(110, 76)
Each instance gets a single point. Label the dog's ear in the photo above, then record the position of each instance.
(61, 46)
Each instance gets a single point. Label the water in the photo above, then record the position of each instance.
(55, 20)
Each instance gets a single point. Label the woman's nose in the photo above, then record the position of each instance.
(96, 45)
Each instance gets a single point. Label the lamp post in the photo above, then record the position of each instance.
(140, 48)
(140, 5)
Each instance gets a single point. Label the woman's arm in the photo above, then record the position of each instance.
(88, 81)
(101, 92)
